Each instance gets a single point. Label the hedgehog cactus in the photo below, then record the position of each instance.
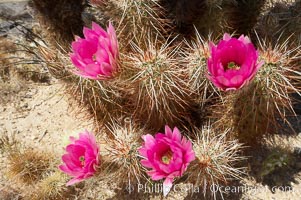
(52, 187)
(242, 16)
(81, 159)
(280, 76)
(195, 57)
(183, 13)
(248, 112)
(96, 57)
(255, 111)
(29, 165)
(141, 18)
(167, 155)
(280, 22)
(216, 160)
(206, 16)
(60, 19)
(135, 19)
(146, 73)
(121, 159)
(203, 92)
(101, 98)
(233, 63)
(157, 86)
(213, 20)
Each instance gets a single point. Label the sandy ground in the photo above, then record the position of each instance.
(42, 116)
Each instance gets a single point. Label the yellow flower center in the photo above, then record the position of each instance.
(82, 160)
(94, 57)
(232, 65)
(166, 158)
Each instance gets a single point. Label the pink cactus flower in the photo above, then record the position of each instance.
(233, 62)
(168, 155)
(96, 55)
(81, 158)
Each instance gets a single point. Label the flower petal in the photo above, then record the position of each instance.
(146, 163)
(74, 180)
(176, 135)
(240, 51)
(167, 185)
(95, 56)
(168, 131)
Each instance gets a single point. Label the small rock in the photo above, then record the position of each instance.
(14, 10)
(4, 27)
